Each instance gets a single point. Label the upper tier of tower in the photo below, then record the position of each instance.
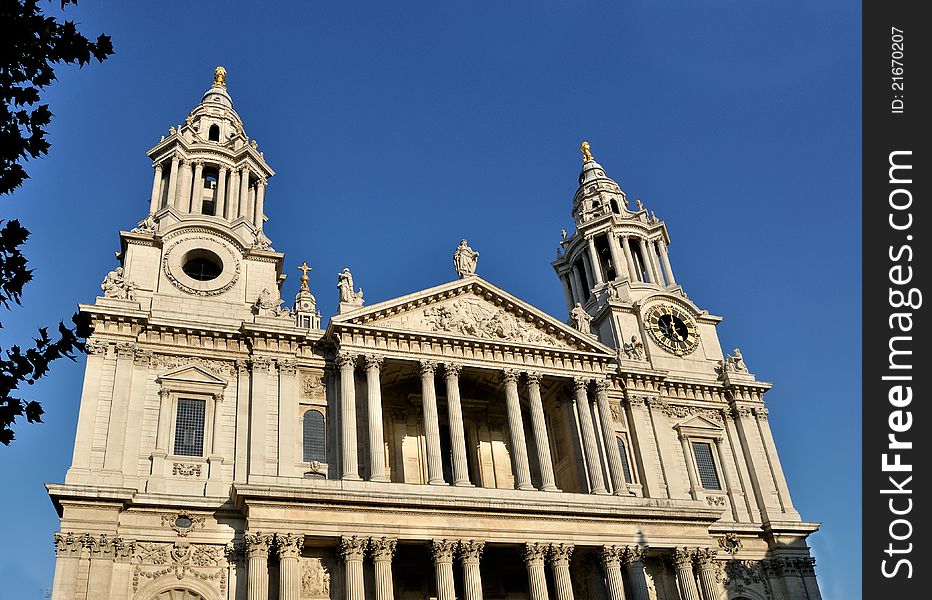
(209, 166)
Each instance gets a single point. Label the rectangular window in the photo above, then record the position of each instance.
(625, 465)
(189, 427)
(708, 476)
(315, 447)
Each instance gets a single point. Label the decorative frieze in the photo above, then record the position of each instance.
(204, 562)
(217, 367)
(312, 386)
(186, 469)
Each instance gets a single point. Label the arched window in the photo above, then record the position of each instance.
(625, 463)
(213, 134)
(315, 446)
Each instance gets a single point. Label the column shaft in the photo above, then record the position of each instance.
(596, 263)
(257, 549)
(567, 292)
(666, 262)
(707, 581)
(618, 258)
(541, 439)
(608, 433)
(220, 203)
(560, 562)
(376, 428)
(173, 183)
(685, 578)
(455, 416)
(347, 364)
(652, 248)
(243, 192)
(629, 260)
(232, 201)
(636, 575)
(352, 551)
(431, 424)
(470, 554)
(580, 288)
(184, 191)
(197, 190)
(611, 562)
(260, 203)
(156, 189)
(593, 461)
(382, 550)
(534, 555)
(516, 431)
(442, 552)
(648, 264)
(288, 547)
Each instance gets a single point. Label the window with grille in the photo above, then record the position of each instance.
(189, 427)
(708, 476)
(315, 447)
(625, 465)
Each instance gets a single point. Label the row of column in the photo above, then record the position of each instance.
(347, 362)
(590, 437)
(625, 263)
(243, 197)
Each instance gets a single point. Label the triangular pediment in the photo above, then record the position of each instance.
(473, 309)
(192, 373)
(698, 423)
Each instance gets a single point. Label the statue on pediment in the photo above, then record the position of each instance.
(734, 363)
(116, 286)
(581, 319)
(464, 260)
(345, 285)
(634, 350)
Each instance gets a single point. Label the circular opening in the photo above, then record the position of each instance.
(202, 265)
(183, 522)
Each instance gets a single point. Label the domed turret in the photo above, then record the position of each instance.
(598, 194)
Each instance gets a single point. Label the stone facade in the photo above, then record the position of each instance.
(452, 443)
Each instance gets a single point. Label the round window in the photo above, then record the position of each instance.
(202, 265)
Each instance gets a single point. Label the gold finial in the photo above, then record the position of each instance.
(304, 269)
(586, 154)
(563, 233)
(220, 77)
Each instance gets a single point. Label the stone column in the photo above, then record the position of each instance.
(260, 203)
(685, 579)
(451, 374)
(243, 192)
(442, 553)
(567, 292)
(634, 564)
(652, 248)
(233, 195)
(516, 431)
(580, 285)
(629, 260)
(431, 423)
(560, 562)
(534, 555)
(67, 558)
(590, 445)
(541, 439)
(615, 467)
(184, 191)
(288, 547)
(666, 262)
(197, 192)
(257, 550)
(470, 554)
(618, 258)
(695, 489)
(100, 569)
(156, 198)
(346, 361)
(173, 183)
(352, 549)
(763, 425)
(376, 428)
(382, 550)
(611, 563)
(587, 270)
(648, 264)
(220, 204)
(596, 263)
(705, 559)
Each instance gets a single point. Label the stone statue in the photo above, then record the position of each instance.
(464, 260)
(734, 363)
(581, 318)
(269, 305)
(634, 350)
(147, 225)
(115, 285)
(640, 205)
(345, 285)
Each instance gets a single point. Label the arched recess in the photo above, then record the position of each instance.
(172, 589)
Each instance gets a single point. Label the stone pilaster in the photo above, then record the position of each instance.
(221, 203)
(346, 362)
(442, 553)
(100, 571)
(257, 552)
(560, 563)
(451, 373)
(590, 444)
(431, 423)
(382, 550)
(288, 548)
(352, 550)
(541, 439)
(257, 413)
(685, 578)
(173, 182)
(67, 558)
(516, 431)
(376, 428)
(287, 417)
(119, 409)
(611, 562)
(634, 564)
(243, 192)
(260, 204)
(470, 553)
(534, 555)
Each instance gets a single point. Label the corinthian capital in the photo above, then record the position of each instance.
(257, 544)
(683, 557)
(510, 376)
(427, 368)
(382, 548)
(535, 552)
(471, 551)
(533, 378)
(612, 555)
(452, 370)
(346, 360)
(352, 547)
(288, 545)
(374, 361)
(580, 384)
(442, 550)
(560, 553)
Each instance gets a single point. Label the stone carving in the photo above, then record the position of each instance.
(734, 363)
(464, 260)
(288, 545)
(612, 555)
(471, 551)
(716, 501)
(535, 552)
(184, 287)
(258, 544)
(352, 548)
(442, 550)
(181, 559)
(315, 579)
(183, 522)
(560, 553)
(682, 556)
(730, 543)
(96, 347)
(186, 469)
(634, 554)
(633, 350)
(262, 242)
(312, 386)
(471, 317)
(345, 285)
(581, 319)
(217, 367)
(382, 548)
(116, 286)
(270, 305)
(147, 225)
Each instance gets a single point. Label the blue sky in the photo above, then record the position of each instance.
(398, 130)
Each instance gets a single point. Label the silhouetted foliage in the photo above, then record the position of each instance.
(31, 45)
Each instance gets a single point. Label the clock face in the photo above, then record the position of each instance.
(673, 329)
